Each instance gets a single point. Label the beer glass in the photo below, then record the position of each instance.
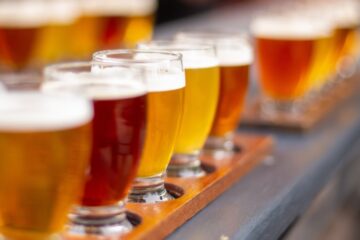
(118, 95)
(44, 150)
(166, 81)
(284, 51)
(112, 24)
(235, 56)
(202, 77)
(32, 32)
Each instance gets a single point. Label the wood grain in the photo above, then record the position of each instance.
(160, 219)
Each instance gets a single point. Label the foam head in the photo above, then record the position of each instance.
(231, 49)
(26, 14)
(288, 27)
(193, 55)
(100, 84)
(23, 14)
(35, 111)
(119, 7)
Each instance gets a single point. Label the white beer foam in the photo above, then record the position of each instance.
(230, 50)
(235, 57)
(108, 88)
(288, 28)
(347, 15)
(160, 82)
(63, 12)
(37, 13)
(34, 111)
(191, 61)
(158, 78)
(119, 7)
(22, 14)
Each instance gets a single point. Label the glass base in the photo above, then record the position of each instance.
(185, 165)
(278, 109)
(219, 147)
(346, 67)
(149, 190)
(104, 220)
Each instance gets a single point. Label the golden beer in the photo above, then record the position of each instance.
(201, 99)
(53, 39)
(322, 64)
(44, 151)
(202, 76)
(235, 56)
(165, 109)
(112, 24)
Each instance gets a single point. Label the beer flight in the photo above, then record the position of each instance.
(100, 133)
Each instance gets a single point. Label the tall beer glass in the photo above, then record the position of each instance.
(284, 50)
(235, 56)
(44, 151)
(166, 81)
(119, 99)
(201, 98)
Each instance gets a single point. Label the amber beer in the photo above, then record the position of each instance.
(108, 24)
(20, 25)
(284, 49)
(44, 151)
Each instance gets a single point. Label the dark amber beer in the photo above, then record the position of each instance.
(118, 132)
(44, 149)
(166, 82)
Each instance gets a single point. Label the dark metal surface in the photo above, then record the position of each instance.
(264, 203)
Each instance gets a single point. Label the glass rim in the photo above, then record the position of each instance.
(68, 66)
(213, 35)
(170, 45)
(104, 56)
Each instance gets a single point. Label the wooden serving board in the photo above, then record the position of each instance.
(313, 115)
(160, 219)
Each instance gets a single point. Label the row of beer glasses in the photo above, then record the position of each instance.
(36, 32)
(151, 108)
(300, 55)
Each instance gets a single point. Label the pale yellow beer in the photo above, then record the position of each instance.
(44, 151)
(201, 99)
